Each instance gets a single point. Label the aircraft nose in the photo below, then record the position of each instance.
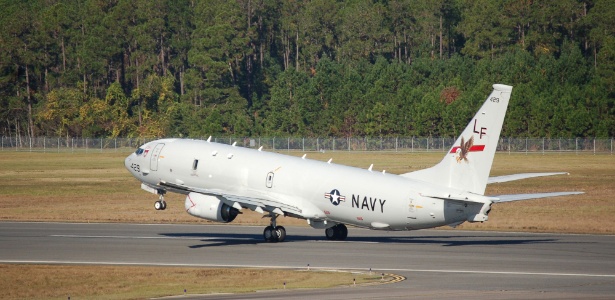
(127, 162)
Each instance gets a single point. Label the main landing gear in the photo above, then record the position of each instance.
(274, 233)
(338, 232)
(160, 204)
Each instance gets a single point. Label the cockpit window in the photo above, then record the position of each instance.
(139, 151)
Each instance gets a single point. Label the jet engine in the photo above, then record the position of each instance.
(210, 208)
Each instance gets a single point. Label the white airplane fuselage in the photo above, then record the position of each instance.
(220, 180)
(364, 198)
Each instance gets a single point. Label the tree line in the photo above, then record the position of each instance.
(143, 68)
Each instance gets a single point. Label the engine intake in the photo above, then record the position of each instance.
(210, 208)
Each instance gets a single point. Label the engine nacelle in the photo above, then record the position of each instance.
(210, 208)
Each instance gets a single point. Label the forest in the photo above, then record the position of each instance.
(194, 68)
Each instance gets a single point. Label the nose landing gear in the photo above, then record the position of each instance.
(160, 204)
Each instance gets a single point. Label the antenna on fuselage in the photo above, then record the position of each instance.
(209, 139)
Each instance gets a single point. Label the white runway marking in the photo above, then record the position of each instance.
(350, 242)
(63, 262)
(138, 237)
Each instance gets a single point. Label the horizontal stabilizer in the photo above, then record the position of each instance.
(517, 197)
(466, 197)
(514, 177)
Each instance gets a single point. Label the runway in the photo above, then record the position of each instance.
(436, 263)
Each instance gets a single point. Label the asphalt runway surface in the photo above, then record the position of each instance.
(437, 264)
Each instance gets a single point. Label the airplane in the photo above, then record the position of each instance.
(221, 180)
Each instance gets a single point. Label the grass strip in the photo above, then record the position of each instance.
(128, 282)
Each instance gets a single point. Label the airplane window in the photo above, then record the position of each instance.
(139, 151)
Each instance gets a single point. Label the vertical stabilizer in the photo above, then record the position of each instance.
(467, 164)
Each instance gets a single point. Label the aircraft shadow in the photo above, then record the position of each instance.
(229, 239)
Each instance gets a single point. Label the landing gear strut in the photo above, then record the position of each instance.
(160, 204)
(274, 233)
(338, 232)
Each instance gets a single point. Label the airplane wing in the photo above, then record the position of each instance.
(513, 177)
(259, 202)
(517, 197)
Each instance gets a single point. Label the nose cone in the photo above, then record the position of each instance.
(128, 162)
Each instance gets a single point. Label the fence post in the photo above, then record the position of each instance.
(543, 146)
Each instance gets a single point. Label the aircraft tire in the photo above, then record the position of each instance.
(338, 232)
(342, 232)
(280, 233)
(158, 205)
(164, 205)
(331, 233)
(270, 235)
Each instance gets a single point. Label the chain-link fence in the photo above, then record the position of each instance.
(402, 144)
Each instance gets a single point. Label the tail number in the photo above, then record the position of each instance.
(494, 99)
